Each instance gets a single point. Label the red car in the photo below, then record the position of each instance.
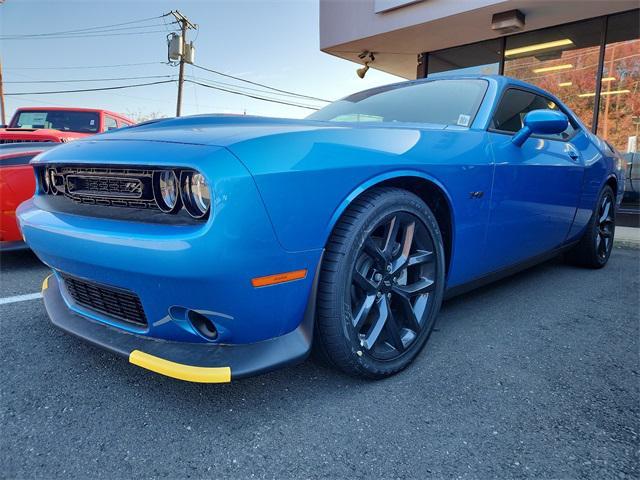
(17, 184)
(59, 124)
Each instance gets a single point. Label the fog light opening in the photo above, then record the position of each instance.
(203, 325)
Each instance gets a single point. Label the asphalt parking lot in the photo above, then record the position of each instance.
(536, 376)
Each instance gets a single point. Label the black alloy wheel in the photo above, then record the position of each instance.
(594, 248)
(605, 227)
(381, 284)
(391, 283)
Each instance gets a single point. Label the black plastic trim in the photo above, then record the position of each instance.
(505, 272)
(244, 359)
(61, 204)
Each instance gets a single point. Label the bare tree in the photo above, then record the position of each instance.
(140, 116)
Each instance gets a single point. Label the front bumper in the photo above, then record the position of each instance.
(207, 267)
(194, 362)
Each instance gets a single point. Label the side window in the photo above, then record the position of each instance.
(515, 104)
(109, 123)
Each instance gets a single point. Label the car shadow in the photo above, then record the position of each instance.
(298, 382)
(295, 384)
(518, 277)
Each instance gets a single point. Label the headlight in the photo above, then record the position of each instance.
(166, 190)
(196, 195)
(53, 187)
(46, 181)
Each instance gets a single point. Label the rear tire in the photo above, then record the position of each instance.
(381, 284)
(595, 246)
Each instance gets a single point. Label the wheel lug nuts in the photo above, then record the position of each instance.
(378, 294)
(389, 295)
(377, 277)
(388, 268)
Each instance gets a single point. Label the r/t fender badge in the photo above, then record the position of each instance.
(476, 194)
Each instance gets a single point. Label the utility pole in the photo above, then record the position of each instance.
(2, 111)
(185, 25)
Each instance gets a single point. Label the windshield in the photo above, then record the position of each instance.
(67, 121)
(448, 102)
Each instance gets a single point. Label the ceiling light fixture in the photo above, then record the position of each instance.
(538, 46)
(565, 84)
(608, 79)
(555, 68)
(508, 22)
(611, 92)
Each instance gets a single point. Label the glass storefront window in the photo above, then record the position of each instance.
(480, 58)
(619, 118)
(619, 115)
(562, 60)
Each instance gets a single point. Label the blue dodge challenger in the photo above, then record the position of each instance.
(209, 247)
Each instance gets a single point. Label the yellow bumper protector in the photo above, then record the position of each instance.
(45, 283)
(180, 371)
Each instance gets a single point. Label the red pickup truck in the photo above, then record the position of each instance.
(59, 124)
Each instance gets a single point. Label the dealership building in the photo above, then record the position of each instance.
(587, 52)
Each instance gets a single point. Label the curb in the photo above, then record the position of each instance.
(626, 244)
(627, 237)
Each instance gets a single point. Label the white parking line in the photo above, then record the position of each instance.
(20, 298)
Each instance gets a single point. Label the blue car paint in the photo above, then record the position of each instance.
(207, 267)
(279, 187)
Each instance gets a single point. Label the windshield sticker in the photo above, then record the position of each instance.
(463, 120)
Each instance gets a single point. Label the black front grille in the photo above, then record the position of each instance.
(114, 187)
(92, 191)
(104, 186)
(111, 301)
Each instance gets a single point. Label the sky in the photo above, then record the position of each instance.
(273, 42)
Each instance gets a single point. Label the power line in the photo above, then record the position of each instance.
(91, 79)
(87, 36)
(80, 34)
(197, 81)
(224, 84)
(119, 87)
(90, 28)
(256, 97)
(79, 67)
(261, 84)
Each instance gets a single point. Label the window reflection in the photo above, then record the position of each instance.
(619, 116)
(561, 60)
(619, 119)
(564, 61)
(481, 58)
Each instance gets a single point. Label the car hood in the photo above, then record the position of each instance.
(228, 130)
(39, 134)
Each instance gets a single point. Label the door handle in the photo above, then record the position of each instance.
(573, 155)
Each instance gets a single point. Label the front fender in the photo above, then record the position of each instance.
(378, 179)
(308, 179)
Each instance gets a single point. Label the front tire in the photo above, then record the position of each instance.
(381, 284)
(595, 246)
